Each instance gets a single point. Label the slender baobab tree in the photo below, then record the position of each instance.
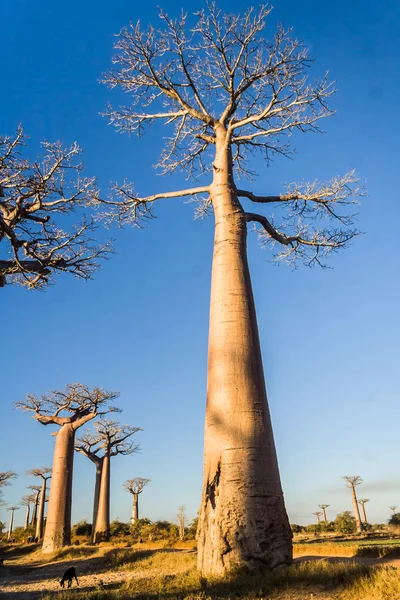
(32, 196)
(362, 502)
(12, 509)
(27, 501)
(87, 444)
(230, 92)
(36, 494)
(351, 482)
(69, 409)
(393, 509)
(182, 521)
(135, 487)
(112, 439)
(318, 515)
(323, 507)
(44, 474)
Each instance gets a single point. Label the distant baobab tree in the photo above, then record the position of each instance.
(69, 409)
(44, 474)
(182, 521)
(34, 196)
(12, 509)
(323, 507)
(27, 501)
(36, 494)
(229, 92)
(393, 509)
(112, 439)
(362, 502)
(318, 515)
(135, 487)
(351, 482)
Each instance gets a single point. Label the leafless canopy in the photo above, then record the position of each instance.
(136, 485)
(222, 72)
(44, 473)
(363, 501)
(27, 500)
(5, 477)
(12, 508)
(352, 480)
(110, 436)
(32, 196)
(76, 405)
(323, 506)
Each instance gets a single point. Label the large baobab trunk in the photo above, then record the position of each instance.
(58, 524)
(97, 484)
(135, 508)
(40, 517)
(356, 509)
(242, 520)
(102, 528)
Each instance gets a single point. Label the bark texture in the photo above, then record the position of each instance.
(102, 527)
(10, 527)
(28, 510)
(135, 508)
(242, 521)
(356, 509)
(40, 517)
(58, 525)
(99, 467)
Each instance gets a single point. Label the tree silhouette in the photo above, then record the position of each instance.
(69, 409)
(362, 502)
(182, 521)
(27, 501)
(351, 482)
(44, 475)
(111, 439)
(393, 509)
(32, 196)
(135, 487)
(12, 509)
(318, 515)
(323, 507)
(36, 498)
(229, 92)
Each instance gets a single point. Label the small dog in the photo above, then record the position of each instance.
(68, 576)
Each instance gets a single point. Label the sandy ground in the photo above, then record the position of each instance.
(24, 578)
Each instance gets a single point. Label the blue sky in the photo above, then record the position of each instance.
(330, 338)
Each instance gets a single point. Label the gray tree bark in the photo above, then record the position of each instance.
(102, 528)
(28, 510)
(242, 521)
(135, 508)
(356, 509)
(40, 518)
(99, 467)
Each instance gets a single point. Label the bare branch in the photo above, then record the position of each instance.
(44, 473)
(5, 477)
(136, 485)
(32, 196)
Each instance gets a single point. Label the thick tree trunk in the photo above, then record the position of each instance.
(10, 528)
(356, 509)
(99, 466)
(135, 508)
(243, 521)
(58, 524)
(28, 510)
(324, 511)
(102, 529)
(40, 518)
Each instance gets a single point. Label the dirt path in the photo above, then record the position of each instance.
(361, 560)
(22, 579)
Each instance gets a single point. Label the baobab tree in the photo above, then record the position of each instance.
(230, 92)
(182, 521)
(393, 509)
(5, 477)
(36, 497)
(33, 197)
(44, 474)
(12, 509)
(112, 439)
(323, 507)
(318, 515)
(135, 487)
(362, 503)
(27, 501)
(351, 482)
(87, 444)
(69, 409)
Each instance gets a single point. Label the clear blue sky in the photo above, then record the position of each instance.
(330, 338)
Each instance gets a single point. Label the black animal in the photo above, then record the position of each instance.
(68, 576)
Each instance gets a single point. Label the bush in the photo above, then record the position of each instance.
(345, 522)
(118, 529)
(82, 528)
